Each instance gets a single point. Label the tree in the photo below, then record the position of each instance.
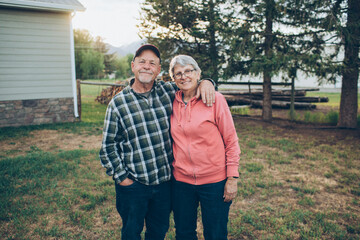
(92, 64)
(82, 40)
(263, 38)
(123, 66)
(186, 27)
(277, 37)
(88, 62)
(268, 50)
(109, 59)
(335, 28)
(338, 26)
(255, 47)
(350, 72)
(129, 58)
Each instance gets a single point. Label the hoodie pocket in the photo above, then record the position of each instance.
(206, 162)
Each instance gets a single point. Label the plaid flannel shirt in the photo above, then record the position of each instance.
(136, 135)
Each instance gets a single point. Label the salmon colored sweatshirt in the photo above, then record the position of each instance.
(205, 146)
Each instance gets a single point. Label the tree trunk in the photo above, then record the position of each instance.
(267, 109)
(292, 100)
(213, 48)
(350, 75)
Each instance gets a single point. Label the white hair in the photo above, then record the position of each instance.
(182, 60)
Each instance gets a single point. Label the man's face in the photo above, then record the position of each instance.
(146, 67)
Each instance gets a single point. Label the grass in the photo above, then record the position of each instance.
(284, 194)
(293, 184)
(330, 117)
(92, 111)
(24, 131)
(49, 195)
(334, 98)
(240, 110)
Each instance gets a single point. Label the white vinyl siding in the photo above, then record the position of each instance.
(35, 59)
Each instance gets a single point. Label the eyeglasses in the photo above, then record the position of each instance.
(186, 73)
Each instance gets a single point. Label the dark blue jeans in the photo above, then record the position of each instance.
(138, 202)
(214, 211)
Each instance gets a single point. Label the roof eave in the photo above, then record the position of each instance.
(41, 5)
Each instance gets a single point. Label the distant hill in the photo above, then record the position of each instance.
(126, 49)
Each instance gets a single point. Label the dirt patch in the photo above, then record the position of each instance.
(322, 132)
(53, 140)
(49, 140)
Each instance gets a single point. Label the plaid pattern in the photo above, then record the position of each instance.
(136, 135)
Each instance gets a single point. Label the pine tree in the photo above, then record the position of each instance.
(266, 39)
(186, 27)
(278, 37)
(263, 38)
(337, 24)
(350, 72)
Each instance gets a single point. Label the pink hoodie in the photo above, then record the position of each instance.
(206, 148)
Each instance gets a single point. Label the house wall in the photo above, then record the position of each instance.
(36, 111)
(35, 64)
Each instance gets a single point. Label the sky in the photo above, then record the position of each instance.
(113, 20)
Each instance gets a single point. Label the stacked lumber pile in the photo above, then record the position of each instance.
(108, 93)
(281, 98)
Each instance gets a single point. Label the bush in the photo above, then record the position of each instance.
(296, 116)
(332, 117)
(240, 110)
(314, 117)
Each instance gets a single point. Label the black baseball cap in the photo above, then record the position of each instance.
(147, 47)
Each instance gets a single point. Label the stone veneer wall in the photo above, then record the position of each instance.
(37, 111)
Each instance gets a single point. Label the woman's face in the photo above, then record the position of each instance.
(186, 77)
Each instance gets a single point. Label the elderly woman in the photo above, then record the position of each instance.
(206, 156)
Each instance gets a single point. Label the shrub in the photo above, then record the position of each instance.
(240, 110)
(314, 117)
(332, 117)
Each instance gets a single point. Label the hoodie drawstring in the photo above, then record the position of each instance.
(179, 114)
(188, 107)
(189, 110)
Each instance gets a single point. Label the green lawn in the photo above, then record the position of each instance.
(92, 111)
(295, 183)
(334, 98)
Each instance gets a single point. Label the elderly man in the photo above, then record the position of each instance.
(137, 149)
